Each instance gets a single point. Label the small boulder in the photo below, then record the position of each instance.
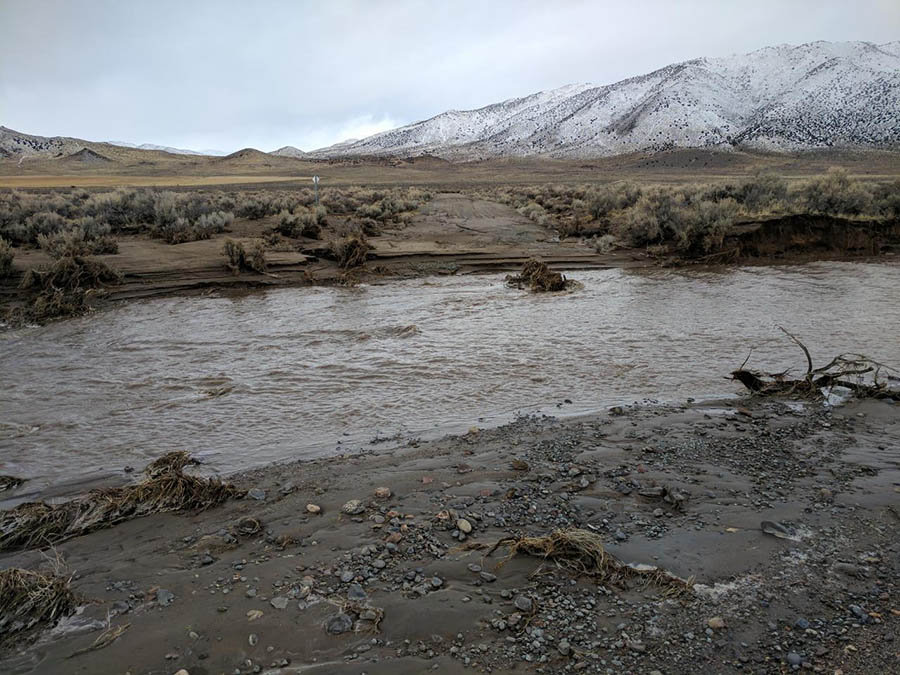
(523, 603)
(339, 623)
(353, 507)
(716, 623)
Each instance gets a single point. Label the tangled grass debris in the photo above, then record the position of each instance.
(105, 639)
(538, 277)
(581, 552)
(30, 600)
(165, 488)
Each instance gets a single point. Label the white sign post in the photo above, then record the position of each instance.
(316, 183)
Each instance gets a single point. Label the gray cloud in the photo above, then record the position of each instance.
(266, 74)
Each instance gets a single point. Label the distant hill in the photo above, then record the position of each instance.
(87, 156)
(289, 151)
(246, 155)
(15, 143)
(820, 95)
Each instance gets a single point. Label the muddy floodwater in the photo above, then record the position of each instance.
(244, 381)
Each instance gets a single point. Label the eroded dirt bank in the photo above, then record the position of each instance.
(452, 234)
(388, 586)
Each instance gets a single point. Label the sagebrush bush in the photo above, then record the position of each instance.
(77, 242)
(302, 224)
(43, 223)
(762, 191)
(370, 227)
(836, 193)
(702, 226)
(182, 230)
(239, 258)
(886, 199)
(535, 212)
(605, 199)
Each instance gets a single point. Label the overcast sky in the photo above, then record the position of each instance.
(226, 75)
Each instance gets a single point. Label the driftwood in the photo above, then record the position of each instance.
(856, 372)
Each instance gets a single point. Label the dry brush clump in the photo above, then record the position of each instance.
(239, 258)
(63, 287)
(164, 488)
(351, 251)
(31, 600)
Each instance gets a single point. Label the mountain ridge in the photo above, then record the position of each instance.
(784, 98)
(778, 99)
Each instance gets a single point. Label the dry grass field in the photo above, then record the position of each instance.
(246, 167)
(99, 181)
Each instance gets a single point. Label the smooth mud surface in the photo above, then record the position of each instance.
(390, 586)
(297, 373)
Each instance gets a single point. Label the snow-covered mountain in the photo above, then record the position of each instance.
(784, 98)
(166, 148)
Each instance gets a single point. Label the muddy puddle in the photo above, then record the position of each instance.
(244, 381)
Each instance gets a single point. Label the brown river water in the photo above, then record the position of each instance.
(294, 373)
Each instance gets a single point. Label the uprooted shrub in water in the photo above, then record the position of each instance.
(352, 251)
(31, 600)
(537, 277)
(165, 488)
(855, 372)
(240, 259)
